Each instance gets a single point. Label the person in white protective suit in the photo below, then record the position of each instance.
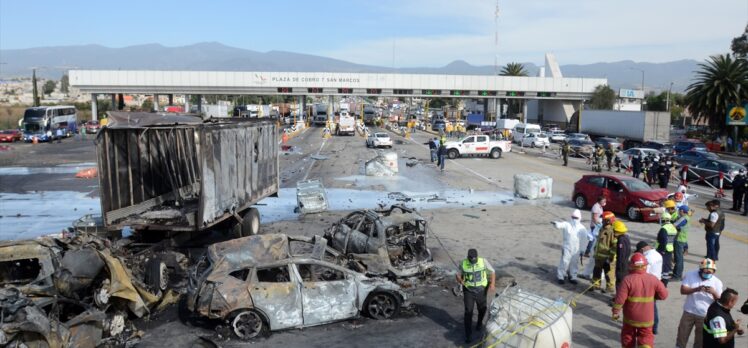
(575, 240)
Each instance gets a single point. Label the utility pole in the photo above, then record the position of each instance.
(667, 101)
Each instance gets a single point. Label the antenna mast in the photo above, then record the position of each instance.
(496, 39)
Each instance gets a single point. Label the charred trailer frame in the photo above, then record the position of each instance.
(180, 173)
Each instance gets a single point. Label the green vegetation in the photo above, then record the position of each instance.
(603, 98)
(35, 91)
(740, 45)
(65, 84)
(721, 81)
(513, 69)
(49, 87)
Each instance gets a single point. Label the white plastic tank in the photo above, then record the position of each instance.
(533, 186)
(520, 319)
(390, 161)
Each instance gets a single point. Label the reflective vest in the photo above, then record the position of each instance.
(671, 233)
(474, 274)
(683, 233)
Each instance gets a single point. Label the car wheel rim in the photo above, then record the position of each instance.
(632, 213)
(247, 325)
(381, 306)
(579, 202)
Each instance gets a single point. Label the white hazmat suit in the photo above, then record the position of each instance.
(575, 240)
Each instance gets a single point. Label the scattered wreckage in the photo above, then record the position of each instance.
(272, 282)
(77, 291)
(387, 242)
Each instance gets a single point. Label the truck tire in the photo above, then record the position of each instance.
(453, 153)
(250, 225)
(496, 153)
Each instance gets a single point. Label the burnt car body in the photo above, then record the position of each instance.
(387, 242)
(267, 282)
(29, 266)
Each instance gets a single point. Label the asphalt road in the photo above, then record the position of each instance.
(513, 234)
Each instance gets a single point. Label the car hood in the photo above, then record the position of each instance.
(653, 195)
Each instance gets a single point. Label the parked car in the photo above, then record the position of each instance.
(92, 126)
(606, 142)
(379, 139)
(693, 157)
(557, 136)
(664, 148)
(386, 242)
(266, 283)
(536, 140)
(625, 195)
(688, 145)
(628, 155)
(579, 147)
(10, 135)
(477, 145)
(578, 136)
(708, 171)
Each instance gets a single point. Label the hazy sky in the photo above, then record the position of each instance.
(422, 32)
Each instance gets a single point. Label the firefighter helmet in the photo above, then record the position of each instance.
(619, 227)
(638, 261)
(708, 264)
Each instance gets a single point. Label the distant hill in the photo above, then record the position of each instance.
(52, 61)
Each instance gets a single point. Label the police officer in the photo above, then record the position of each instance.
(636, 166)
(739, 186)
(565, 149)
(663, 174)
(609, 153)
(476, 276)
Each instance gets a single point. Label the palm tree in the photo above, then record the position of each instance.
(721, 81)
(513, 69)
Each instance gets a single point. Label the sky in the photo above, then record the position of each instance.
(405, 33)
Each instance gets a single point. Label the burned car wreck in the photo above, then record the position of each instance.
(387, 242)
(272, 282)
(71, 292)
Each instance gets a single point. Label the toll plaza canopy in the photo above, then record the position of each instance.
(321, 83)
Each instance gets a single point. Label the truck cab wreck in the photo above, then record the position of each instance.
(266, 282)
(386, 242)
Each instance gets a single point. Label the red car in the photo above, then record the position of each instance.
(624, 195)
(10, 136)
(92, 126)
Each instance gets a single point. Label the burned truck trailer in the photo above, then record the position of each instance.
(181, 173)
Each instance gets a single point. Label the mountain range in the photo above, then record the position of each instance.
(51, 62)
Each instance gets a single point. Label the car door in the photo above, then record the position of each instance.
(615, 195)
(468, 145)
(595, 187)
(481, 144)
(328, 293)
(276, 292)
(709, 170)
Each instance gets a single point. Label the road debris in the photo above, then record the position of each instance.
(311, 196)
(384, 164)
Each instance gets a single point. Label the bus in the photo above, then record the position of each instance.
(42, 122)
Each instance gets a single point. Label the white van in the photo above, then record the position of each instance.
(522, 129)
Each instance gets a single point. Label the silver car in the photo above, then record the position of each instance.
(272, 282)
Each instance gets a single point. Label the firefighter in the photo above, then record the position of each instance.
(605, 252)
(635, 297)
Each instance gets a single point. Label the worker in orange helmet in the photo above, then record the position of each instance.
(605, 253)
(636, 296)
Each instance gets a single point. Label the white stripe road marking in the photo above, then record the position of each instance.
(308, 170)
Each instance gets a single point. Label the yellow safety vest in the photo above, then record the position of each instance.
(474, 275)
(671, 234)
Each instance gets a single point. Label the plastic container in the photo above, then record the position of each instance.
(524, 320)
(533, 186)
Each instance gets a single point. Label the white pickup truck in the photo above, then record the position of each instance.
(480, 145)
(346, 124)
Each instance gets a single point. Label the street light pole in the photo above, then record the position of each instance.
(643, 96)
(667, 102)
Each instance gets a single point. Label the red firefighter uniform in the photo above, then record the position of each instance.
(636, 296)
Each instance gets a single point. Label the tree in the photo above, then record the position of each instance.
(603, 98)
(740, 45)
(35, 91)
(120, 101)
(147, 105)
(65, 84)
(721, 81)
(48, 87)
(513, 69)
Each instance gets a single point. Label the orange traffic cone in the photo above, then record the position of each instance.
(284, 137)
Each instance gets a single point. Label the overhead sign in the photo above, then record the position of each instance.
(631, 93)
(736, 114)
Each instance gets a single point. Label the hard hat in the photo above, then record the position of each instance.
(619, 227)
(669, 204)
(708, 264)
(638, 261)
(608, 215)
(576, 214)
(666, 217)
(678, 196)
(684, 208)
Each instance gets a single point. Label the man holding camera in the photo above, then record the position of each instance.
(702, 288)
